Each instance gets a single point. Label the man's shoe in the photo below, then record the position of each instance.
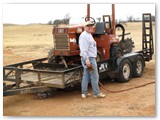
(85, 96)
(100, 95)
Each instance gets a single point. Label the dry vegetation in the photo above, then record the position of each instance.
(26, 42)
(136, 34)
(29, 42)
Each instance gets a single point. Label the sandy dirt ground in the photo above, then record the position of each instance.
(29, 42)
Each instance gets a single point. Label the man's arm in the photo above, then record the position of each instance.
(84, 45)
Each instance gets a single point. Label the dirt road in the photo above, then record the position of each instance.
(136, 102)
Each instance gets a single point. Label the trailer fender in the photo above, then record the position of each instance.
(130, 56)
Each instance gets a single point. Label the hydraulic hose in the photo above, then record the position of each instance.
(117, 91)
(123, 30)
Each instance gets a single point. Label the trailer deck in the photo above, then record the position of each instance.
(38, 73)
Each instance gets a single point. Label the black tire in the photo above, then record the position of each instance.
(115, 51)
(51, 56)
(125, 71)
(138, 67)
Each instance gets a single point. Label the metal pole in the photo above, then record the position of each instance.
(88, 12)
(113, 19)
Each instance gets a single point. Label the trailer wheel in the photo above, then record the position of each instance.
(138, 67)
(51, 56)
(125, 71)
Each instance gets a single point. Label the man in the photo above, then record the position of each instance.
(88, 53)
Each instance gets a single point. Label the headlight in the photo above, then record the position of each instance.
(73, 40)
(79, 30)
(60, 30)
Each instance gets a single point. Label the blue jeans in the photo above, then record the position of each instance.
(94, 76)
